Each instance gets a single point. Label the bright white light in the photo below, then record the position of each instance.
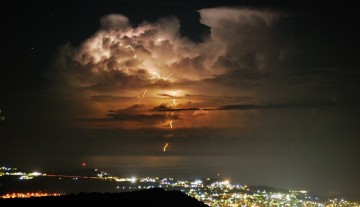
(133, 180)
(35, 174)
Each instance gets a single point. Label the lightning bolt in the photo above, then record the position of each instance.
(168, 76)
(154, 77)
(166, 145)
(131, 48)
(155, 74)
(141, 97)
(171, 126)
(144, 93)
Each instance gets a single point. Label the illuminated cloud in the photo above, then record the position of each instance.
(123, 56)
(120, 55)
(244, 35)
(151, 64)
(114, 21)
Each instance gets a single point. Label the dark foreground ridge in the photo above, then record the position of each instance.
(150, 197)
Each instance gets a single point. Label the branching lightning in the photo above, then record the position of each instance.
(157, 76)
(154, 77)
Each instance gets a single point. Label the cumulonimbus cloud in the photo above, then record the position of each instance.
(122, 55)
(121, 58)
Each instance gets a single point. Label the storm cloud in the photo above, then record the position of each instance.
(244, 61)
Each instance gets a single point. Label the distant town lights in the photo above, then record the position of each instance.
(35, 174)
(212, 193)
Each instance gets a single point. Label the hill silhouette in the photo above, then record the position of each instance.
(151, 197)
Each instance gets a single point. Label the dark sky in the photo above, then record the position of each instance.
(262, 93)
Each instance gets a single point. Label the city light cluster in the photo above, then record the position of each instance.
(22, 175)
(213, 192)
(223, 193)
(28, 195)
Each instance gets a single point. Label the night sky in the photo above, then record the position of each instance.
(261, 93)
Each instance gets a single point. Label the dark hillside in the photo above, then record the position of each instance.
(150, 197)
